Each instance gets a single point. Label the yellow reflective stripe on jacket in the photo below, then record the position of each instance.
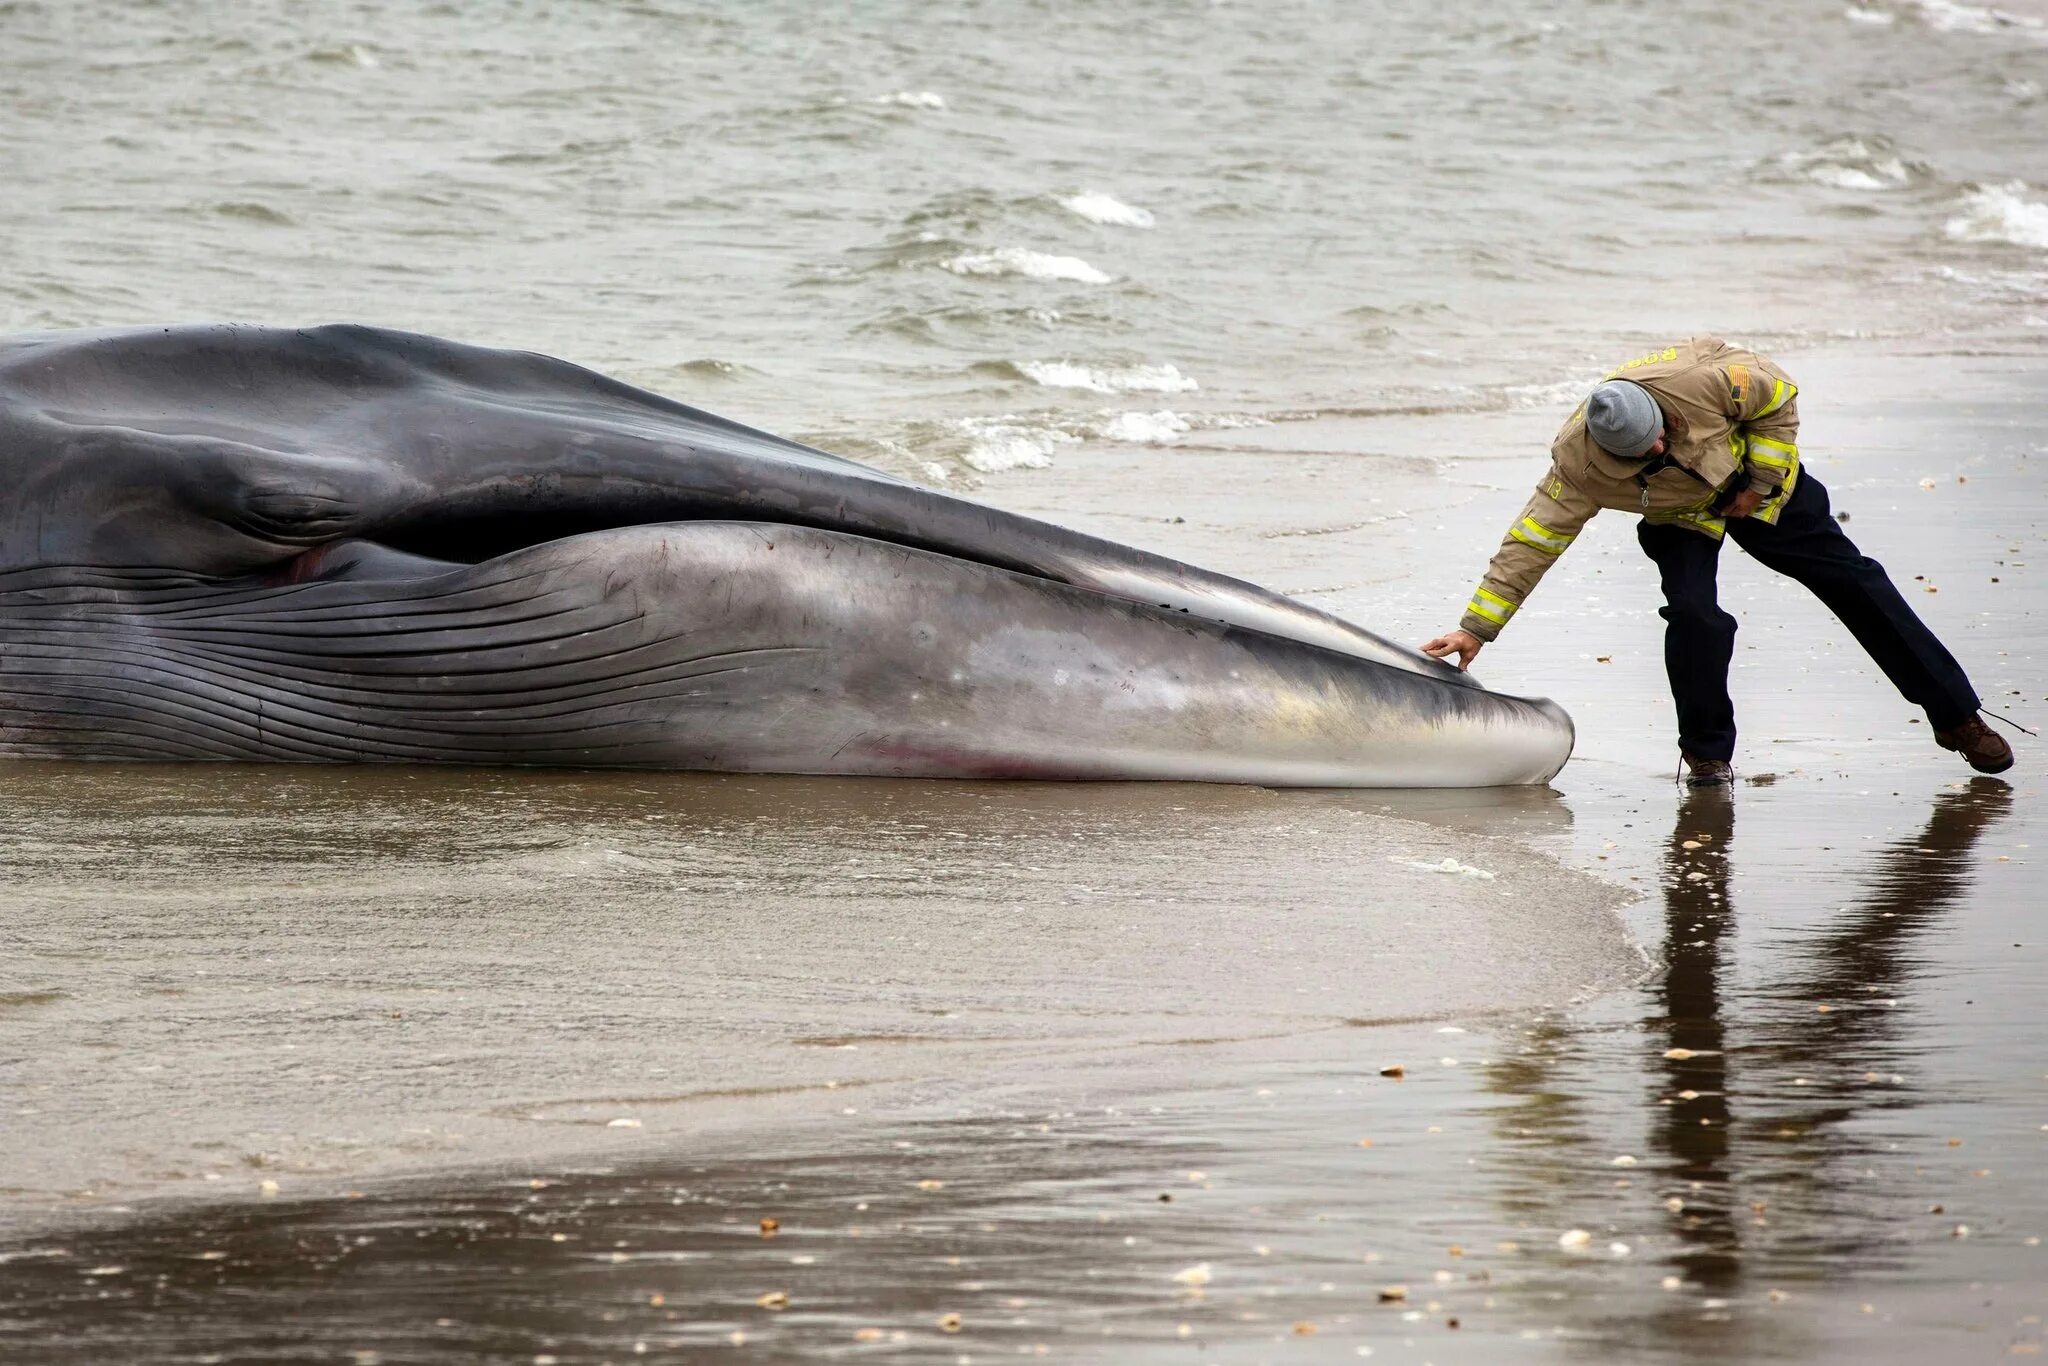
(1779, 455)
(1779, 395)
(1491, 606)
(1708, 522)
(1531, 532)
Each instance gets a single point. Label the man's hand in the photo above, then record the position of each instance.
(1744, 503)
(1463, 644)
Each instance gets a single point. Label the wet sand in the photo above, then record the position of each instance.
(963, 1041)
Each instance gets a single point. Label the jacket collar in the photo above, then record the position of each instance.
(1614, 467)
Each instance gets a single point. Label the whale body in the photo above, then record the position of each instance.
(349, 544)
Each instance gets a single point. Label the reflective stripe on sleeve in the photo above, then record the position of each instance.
(1492, 606)
(1531, 532)
(1779, 395)
(1779, 455)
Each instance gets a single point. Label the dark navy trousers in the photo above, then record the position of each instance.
(1807, 544)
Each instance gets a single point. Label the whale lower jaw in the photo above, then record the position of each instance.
(750, 647)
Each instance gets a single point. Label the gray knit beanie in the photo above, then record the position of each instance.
(1623, 418)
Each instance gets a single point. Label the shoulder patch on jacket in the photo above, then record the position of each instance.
(1738, 383)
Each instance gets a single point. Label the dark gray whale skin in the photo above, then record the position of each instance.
(346, 544)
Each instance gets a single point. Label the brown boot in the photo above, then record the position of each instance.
(1984, 747)
(1706, 772)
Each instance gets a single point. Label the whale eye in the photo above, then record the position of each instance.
(296, 510)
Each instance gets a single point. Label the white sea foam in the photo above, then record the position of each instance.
(1885, 175)
(912, 99)
(1107, 209)
(2001, 213)
(1132, 379)
(1950, 17)
(1144, 428)
(1449, 865)
(1036, 265)
(1009, 442)
(1851, 164)
(1876, 18)
(1149, 429)
(1562, 393)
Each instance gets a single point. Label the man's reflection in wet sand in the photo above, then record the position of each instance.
(1810, 1054)
(1693, 1106)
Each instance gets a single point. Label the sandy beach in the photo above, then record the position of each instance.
(1101, 1070)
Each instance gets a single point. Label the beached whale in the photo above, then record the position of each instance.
(346, 544)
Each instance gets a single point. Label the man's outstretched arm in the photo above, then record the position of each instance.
(1549, 522)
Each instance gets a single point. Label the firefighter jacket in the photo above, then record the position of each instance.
(1731, 421)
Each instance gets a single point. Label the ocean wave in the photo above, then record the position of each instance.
(1014, 441)
(1950, 17)
(712, 368)
(1106, 209)
(1150, 429)
(1132, 379)
(1036, 265)
(1562, 393)
(912, 99)
(343, 54)
(1009, 442)
(250, 211)
(1852, 163)
(1144, 428)
(2001, 213)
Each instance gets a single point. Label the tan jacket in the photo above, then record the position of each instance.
(1731, 421)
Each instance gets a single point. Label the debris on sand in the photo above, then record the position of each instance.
(774, 1299)
(1393, 1294)
(1194, 1277)
(1574, 1240)
(949, 1323)
(1394, 1070)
